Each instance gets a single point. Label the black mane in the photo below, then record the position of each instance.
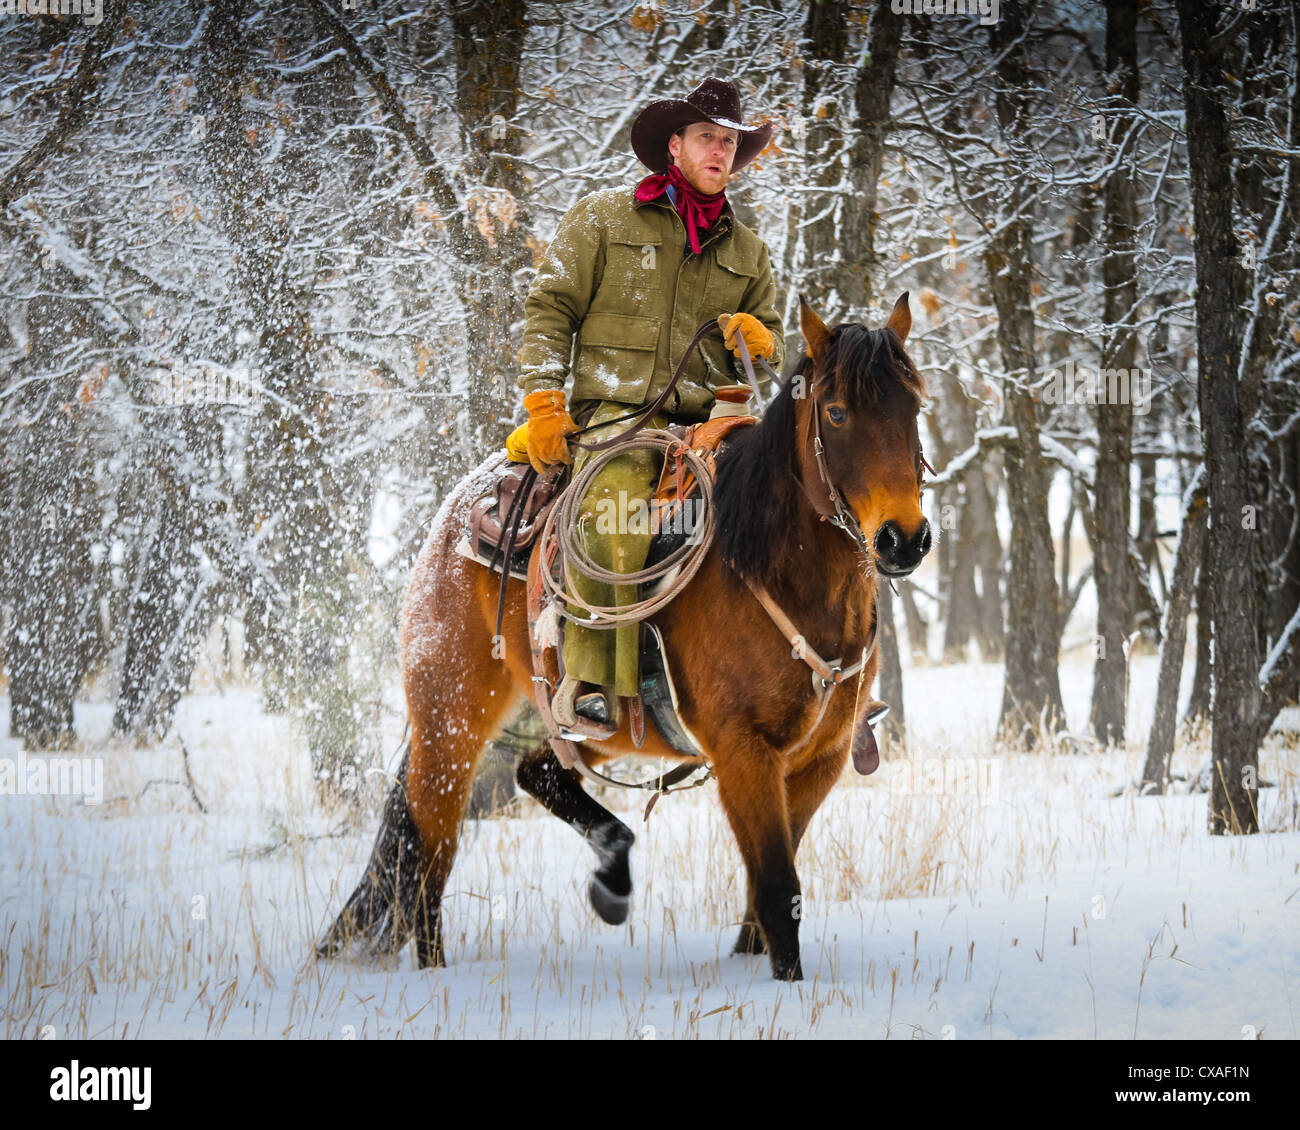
(757, 489)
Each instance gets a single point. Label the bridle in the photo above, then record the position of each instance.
(835, 511)
(839, 515)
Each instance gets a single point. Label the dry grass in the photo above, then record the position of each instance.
(143, 917)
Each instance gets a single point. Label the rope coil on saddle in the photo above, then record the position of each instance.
(574, 559)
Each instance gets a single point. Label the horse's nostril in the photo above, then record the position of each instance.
(888, 540)
(925, 537)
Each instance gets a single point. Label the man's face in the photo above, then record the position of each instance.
(705, 153)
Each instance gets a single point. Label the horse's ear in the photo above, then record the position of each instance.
(900, 318)
(815, 333)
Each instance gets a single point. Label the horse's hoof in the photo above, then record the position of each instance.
(612, 908)
(784, 972)
(749, 940)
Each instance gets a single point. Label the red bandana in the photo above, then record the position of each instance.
(697, 209)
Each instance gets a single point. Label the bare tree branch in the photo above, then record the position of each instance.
(73, 115)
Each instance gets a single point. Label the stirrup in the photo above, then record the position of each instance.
(580, 727)
(562, 703)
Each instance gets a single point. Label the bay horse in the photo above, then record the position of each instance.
(747, 697)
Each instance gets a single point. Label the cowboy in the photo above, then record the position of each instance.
(629, 277)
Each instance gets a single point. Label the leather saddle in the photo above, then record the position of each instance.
(518, 490)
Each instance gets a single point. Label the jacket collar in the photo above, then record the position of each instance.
(721, 228)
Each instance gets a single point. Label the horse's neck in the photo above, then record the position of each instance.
(823, 589)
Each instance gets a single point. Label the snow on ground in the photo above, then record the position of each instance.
(1005, 896)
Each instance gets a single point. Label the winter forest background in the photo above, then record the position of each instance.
(263, 272)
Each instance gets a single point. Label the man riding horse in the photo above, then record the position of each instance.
(812, 504)
(630, 275)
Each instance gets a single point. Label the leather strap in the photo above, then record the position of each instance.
(643, 416)
(825, 677)
(839, 514)
(831, 675)
(513, 517)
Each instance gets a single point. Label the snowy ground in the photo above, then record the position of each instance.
(1009, 897)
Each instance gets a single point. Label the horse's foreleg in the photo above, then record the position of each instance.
(806, 790)
(804, 794)
(755, 805)
(560, 792)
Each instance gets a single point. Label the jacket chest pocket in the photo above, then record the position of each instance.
(616, 357)
(633, 265)
(727, 284)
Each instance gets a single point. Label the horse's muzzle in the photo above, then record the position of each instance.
(896, 555)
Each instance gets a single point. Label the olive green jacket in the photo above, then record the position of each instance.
(616, 301)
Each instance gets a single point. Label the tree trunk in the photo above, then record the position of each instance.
(294, 480)
(489, 40)
(983, 503)
(171, 605)
(963, 599)
(891, 670)
(1198, 705)
(1147, 531)
(1111, 489)
(52, 593)
(826, 37)
(860, 267)
(1160, 744)
(916, 626)
(1031, 697)
(51, 518)
(1219, 289)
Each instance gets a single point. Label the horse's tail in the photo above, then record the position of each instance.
(380, 914)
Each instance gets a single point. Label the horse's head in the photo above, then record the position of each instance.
(862, 395)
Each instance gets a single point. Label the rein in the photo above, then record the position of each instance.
(644, 415)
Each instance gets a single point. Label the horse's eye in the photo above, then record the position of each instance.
(836, 414)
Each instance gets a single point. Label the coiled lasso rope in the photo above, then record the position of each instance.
(575, 560)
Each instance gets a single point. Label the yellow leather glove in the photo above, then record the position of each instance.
(758, 338)
(517, 444)
(540, 441)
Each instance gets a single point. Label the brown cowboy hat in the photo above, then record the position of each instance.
(714, 100)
